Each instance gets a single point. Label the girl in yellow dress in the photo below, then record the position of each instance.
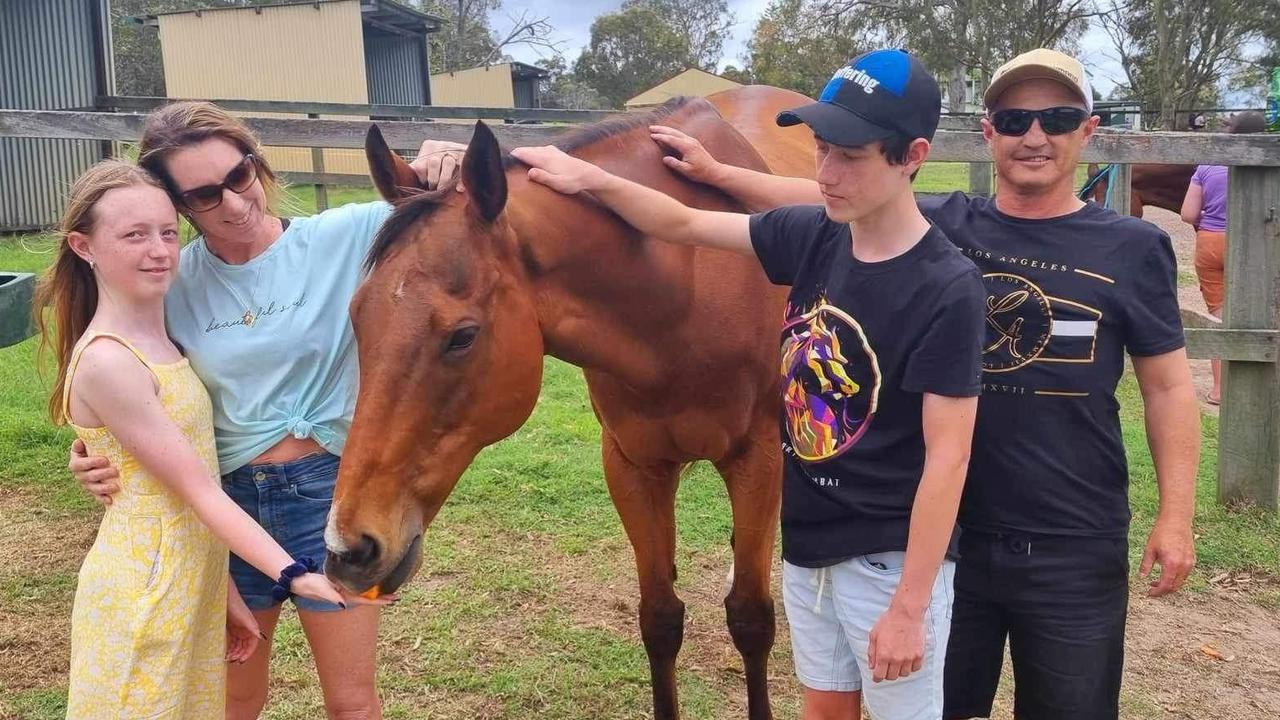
(153, 608)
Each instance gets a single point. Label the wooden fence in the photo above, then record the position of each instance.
(1246, 339)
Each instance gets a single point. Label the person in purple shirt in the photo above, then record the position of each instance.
(1205, 209)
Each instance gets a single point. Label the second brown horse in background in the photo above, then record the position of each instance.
(1163, 186)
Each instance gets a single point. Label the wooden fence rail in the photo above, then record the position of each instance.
(1248, 338)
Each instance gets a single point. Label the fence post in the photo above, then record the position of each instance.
(980, 178)
(1121, 189)
(317, 166)
(1249, 430)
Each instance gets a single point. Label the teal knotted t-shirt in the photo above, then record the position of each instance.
(271, 339)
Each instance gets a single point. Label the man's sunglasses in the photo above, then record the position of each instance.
(208, 197)
(1053, 121)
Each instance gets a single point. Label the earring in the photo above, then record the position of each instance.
(92, 265)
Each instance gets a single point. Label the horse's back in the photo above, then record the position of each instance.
(752, 110)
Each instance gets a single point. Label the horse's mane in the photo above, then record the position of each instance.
(416, 207)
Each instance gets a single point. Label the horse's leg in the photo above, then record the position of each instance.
(754, 481)
(646, 498)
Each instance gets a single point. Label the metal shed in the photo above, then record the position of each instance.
(54, 55)
(342, 51)
(505, 85)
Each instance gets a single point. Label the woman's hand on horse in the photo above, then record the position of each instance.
(558, 170)
(95, 474)
(438, 161)
(694, 162)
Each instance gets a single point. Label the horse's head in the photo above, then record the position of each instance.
(450, 360)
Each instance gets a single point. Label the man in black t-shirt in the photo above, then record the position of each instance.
(1070, 288)
(881, 372)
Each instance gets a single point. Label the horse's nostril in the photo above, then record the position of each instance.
(365, 552)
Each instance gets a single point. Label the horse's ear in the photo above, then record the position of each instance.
(392, 176)
(483, 175)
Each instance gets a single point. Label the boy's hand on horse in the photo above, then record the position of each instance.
(438, 161)
(560, 171)
(95, 474)
(695, 163)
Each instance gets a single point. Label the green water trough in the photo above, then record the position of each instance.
(16, 291)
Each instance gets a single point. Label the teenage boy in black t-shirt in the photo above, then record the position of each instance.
(1069, 288)
(880, 358)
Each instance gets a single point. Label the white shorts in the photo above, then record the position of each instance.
(831, 612)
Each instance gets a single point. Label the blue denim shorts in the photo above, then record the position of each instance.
(291, 502)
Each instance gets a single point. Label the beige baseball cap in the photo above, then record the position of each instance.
(1041, 63)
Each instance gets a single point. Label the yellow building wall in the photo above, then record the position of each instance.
(690, 82)
(488, 86)
(299, 52)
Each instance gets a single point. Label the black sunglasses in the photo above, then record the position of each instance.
(208, 197)
(1054, 120)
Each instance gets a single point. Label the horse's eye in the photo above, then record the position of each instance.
(462, 338)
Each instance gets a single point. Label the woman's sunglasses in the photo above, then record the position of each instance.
(1054, 120)
(208, 197)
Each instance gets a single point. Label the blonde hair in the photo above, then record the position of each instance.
(183, 124)
(68, 287)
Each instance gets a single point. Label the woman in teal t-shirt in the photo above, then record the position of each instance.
(260, 309)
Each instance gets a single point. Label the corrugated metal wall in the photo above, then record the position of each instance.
(394, 67)
(47, 62)
(298, 52)
(478, 87)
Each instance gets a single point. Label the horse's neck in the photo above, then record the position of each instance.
(602, 292)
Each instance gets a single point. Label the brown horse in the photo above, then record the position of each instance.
(679, 346)
(1163, 186)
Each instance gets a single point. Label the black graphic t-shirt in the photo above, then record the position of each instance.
(1065, 298)
(861, 343)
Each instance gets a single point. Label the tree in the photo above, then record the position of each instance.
(963, 40)
(738, 75)
(563, 90)
(630, 50)
(704, 24)
(468, 41)
(798, 44)
(1176, 52)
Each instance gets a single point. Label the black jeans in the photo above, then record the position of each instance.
(1061, 601)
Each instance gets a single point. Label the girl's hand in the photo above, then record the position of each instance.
(318, 587)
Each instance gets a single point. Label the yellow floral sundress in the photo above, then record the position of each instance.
(148, 629)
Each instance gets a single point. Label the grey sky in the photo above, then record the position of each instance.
(572, 21)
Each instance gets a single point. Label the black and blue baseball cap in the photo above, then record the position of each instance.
(875, 96)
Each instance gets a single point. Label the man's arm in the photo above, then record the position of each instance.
(1173, 434)
(648, 210)
(756, 190)
(897, 640)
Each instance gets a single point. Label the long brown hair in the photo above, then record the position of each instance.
(68, 287)
(183, 124)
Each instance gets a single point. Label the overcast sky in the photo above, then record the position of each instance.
(572, 21)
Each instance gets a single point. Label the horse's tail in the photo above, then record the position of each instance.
(1097, 175)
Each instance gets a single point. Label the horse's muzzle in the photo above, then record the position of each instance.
(358, 568)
